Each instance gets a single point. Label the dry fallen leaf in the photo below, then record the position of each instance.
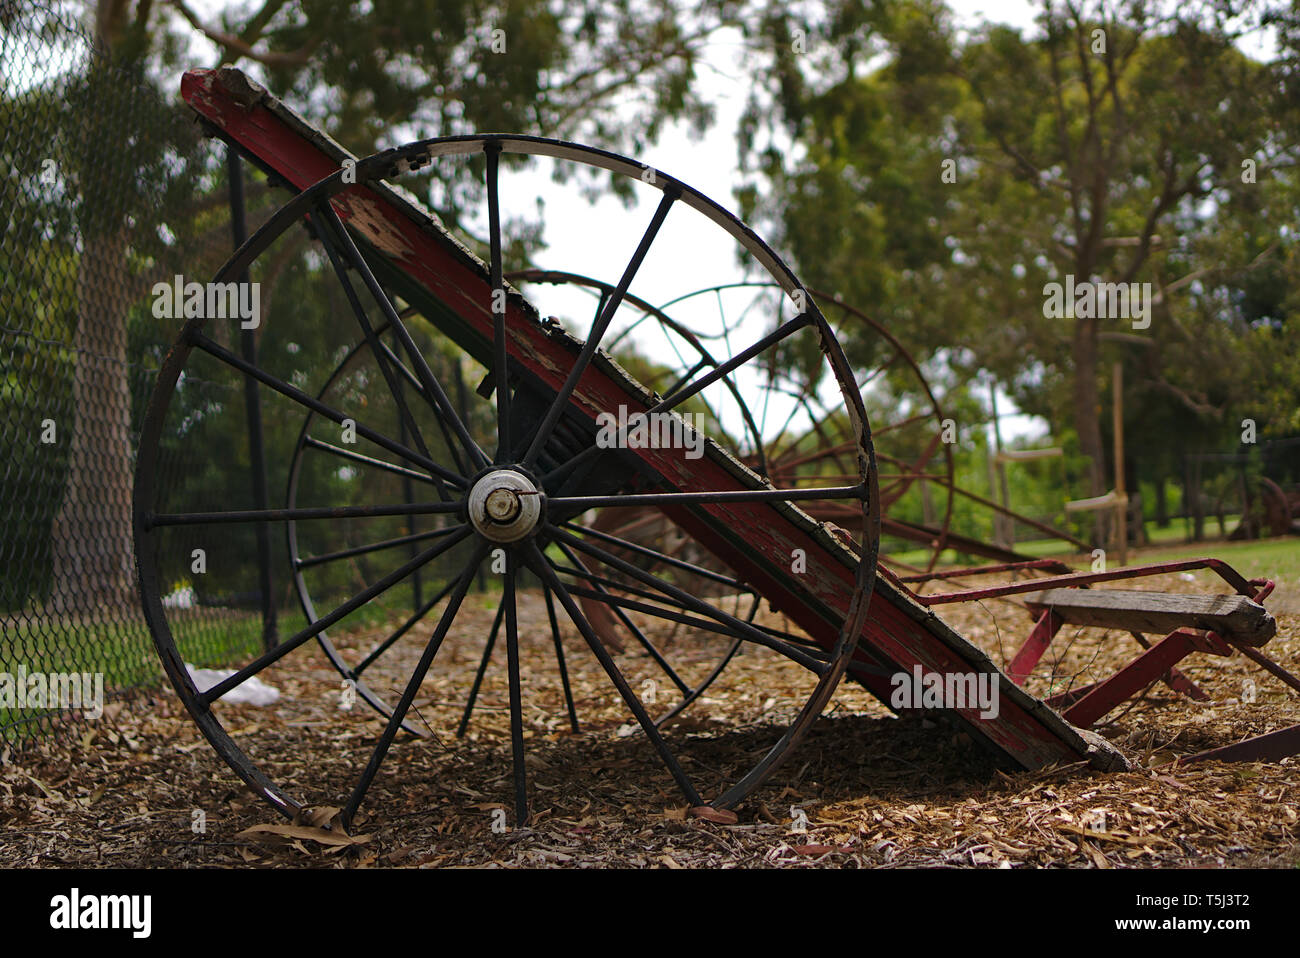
(283, 834)
(813, 849)
(721, 816)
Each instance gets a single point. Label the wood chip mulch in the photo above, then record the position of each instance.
(142, 788)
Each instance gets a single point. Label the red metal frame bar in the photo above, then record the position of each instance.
(1056, 565)
(1147, 668)
(1269, 747)
(1084, 706)
(1035, 646)
(1218, 566)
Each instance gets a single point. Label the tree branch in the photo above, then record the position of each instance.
(231, 42)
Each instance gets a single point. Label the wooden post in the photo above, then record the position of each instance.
(1121, 496)
(1008, 525)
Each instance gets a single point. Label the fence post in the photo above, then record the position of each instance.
(253, 409)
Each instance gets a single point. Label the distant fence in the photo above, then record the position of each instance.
(96, 160)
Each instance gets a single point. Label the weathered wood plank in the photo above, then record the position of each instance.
(1232, 616)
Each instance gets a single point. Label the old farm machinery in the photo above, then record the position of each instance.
(519, 481)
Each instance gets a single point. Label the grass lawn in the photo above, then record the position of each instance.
(122, 649)
(1276, 559)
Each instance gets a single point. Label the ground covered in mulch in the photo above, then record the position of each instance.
(141, 787)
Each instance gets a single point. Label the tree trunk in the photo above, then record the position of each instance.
(92, 534)
(1087, 414)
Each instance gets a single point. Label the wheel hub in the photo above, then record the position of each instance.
(504, 506)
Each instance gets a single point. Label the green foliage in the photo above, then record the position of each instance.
(939, 180)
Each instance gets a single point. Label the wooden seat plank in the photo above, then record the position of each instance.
(1231, 616)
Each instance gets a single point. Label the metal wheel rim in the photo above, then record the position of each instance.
(389, 163)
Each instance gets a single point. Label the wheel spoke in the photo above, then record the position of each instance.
(312, 561)
(588, 350)
(453, 446)
(401, 630)
(330, 222)
(342, 453)
(297, 395)
(320, 625)
(657, 556)
(559, 658)
(432, 388)
(541, 565)
(482, 670)
(655, 595)
(289, 515)
(500, 354)
(686, 377)
(902, 423)
(875, 373)
(665, 600)
(645, 643)
(686, 392)
(516, 697)
(413, 686)
(814, 654)
(688, 601)
(583, 503)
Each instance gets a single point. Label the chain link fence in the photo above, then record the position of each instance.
(107, 185)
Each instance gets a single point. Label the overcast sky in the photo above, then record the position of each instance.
(690, 252)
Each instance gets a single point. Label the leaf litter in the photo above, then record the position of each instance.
(141, 787)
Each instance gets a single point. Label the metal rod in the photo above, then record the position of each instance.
(640, 636)
(311, 561)
(272, 656)
(816, 655)
(516, 697)
(253, 412)
(286, 515)
(406, 422)
(413, 686)
(583, 360)
(405, 627)
(477, 684)
(366, 460)
(659, 556)
(677, 398)
(684, 498)
(689, 602)
(541, 565)
(500, 354)
(410, 377)
(216, 350)
(432, 388)
(559, 658)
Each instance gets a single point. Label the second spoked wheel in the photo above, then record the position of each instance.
(514, 485)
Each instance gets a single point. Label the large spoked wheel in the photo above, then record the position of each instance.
(520, 490)
(643, 537)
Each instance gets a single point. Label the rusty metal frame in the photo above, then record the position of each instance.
(1157, 662)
